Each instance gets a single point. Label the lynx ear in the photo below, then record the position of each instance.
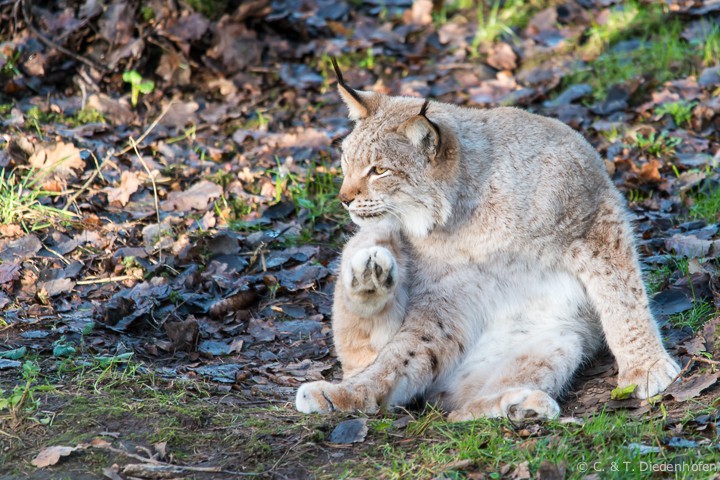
(359, 103)
(422, 132)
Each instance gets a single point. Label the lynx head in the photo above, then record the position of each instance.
(399, 162)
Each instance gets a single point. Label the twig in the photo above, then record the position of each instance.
(708, 361)
(46, 40)
(149, 173)
(172, 467)
(3, 432)
(155, 194)
(147, 131)
(693, 359)
(57, 254)
(120, 278)
(85, 186)
(82, 189)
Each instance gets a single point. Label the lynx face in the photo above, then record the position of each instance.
(393, 170)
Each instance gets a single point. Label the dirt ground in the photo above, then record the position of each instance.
(169, 226)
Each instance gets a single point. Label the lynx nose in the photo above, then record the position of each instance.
(346, 198)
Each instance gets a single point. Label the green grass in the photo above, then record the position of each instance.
(696, 317)
(213, 9)
(681, 112)
(81, 117)
(317, 193)
(488, 447)
(661, 55)
(706, 206)
(624, 21)
(494, 22)
(708, 42)
(656, 279)
(21, 201)
(125, 396)
(657, 145)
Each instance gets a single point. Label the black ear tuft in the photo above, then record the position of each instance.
(358, 106)
(433, 125)
(338, 73)
(423, 110)
(337, 142)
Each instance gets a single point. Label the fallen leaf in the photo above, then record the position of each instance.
(420, 13)
(180, 114)
(689, 246)
(679, 442)
(223, 373)
(641, 449)
(671, 301)
(196, 197)
(521, 472)
(55, 287)
(129, 184)
(551, 471)
(52, 455)
(502, 57)
(9, 272)
(622, 393)
(184, 335)
(215, 348)
(5, 364)
(63, 160)
(20, 249)
(691, 387)
(15, 354)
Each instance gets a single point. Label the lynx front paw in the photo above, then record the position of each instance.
(372, 271)
(325, 397)
(369, 279)
(651, 377)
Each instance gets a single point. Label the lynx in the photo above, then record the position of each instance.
(494, 256)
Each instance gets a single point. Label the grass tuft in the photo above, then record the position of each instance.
(706, 206)
(21, 202)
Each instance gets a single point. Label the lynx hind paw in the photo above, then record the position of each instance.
(373, 269)
(651, 378)
(529, 405)
(517, 405)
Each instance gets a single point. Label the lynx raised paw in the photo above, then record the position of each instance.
(651, 377)
(325, 397)
(372, 270)
(370, 277)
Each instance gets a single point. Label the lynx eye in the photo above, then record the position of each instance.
(378, 170)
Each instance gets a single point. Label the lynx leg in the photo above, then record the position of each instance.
(406, 366)
(520, 384)
(606, 262)
(370, 297)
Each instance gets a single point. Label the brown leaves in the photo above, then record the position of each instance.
(9, 272)
(51, 455)
(196, 197)
(502, 57)
(691, 387)
(62, 160)
(129, 184)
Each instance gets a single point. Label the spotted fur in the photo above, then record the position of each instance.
(494, 257)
